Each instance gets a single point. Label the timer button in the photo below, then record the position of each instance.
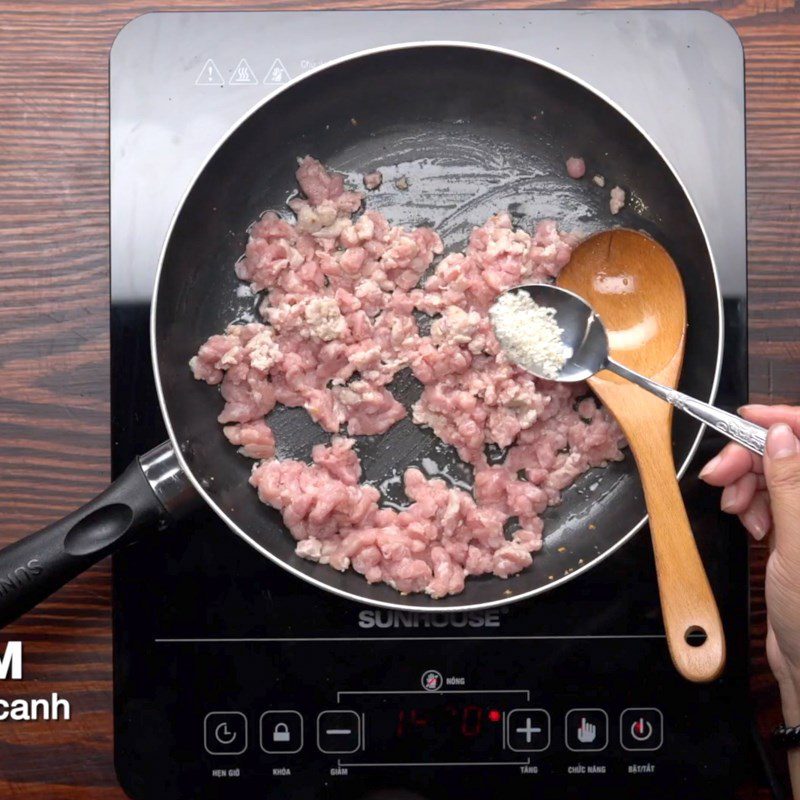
(641, 729)
(528, 730)
(338, 732)
(225, 733)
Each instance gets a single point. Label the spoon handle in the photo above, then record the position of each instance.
(747, 434)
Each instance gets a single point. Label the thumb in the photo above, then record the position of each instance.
(782, 472)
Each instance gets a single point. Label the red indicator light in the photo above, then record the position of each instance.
(495, 715)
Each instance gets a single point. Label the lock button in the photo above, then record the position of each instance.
(281, 732)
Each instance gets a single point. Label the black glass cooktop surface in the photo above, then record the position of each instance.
(235, 679)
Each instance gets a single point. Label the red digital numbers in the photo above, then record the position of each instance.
(407, 721)
(467, 719)
(471, 718)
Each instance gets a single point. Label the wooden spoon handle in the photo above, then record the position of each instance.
(687, 602)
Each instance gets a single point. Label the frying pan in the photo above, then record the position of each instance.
(474, 130)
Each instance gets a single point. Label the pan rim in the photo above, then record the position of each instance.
(209, 501)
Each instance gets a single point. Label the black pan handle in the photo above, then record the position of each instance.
(151, 490)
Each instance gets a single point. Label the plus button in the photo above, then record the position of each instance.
(528, 730)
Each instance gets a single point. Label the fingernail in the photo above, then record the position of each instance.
(729, 495)
(754, 524)
(710, 467)
(749, 408)
(781, 442)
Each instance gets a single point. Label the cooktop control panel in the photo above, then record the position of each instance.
(497, 727)
(241, 680)
(332, 708)
(235, 679)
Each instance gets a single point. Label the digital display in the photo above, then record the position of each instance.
(435, 728)
(466, 721)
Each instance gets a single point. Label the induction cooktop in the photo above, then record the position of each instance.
(235, 679)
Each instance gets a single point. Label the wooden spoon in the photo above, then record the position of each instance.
(634, 286)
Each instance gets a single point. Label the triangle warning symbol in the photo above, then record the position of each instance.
(210, 75)
(243, 74)
(277, 73)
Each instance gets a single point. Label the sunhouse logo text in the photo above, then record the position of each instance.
(389, 618)
(25, 709)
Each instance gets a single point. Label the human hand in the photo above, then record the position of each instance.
(765, 494)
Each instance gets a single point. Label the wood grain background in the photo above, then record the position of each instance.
(54, 411)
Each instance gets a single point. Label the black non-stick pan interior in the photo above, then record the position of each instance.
(474, 131)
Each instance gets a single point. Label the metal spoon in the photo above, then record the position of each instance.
(585, 334)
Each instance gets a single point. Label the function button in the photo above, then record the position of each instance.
(641, 729)
(225, 733)
(281, 732)
(338, 732)
(586, 730)
(528, 730)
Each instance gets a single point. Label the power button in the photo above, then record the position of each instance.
(641, 729)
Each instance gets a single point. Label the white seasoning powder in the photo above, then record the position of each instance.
(529, 333)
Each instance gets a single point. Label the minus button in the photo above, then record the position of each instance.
(338, 732)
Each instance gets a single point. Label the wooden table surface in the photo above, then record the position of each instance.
(54, 408)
